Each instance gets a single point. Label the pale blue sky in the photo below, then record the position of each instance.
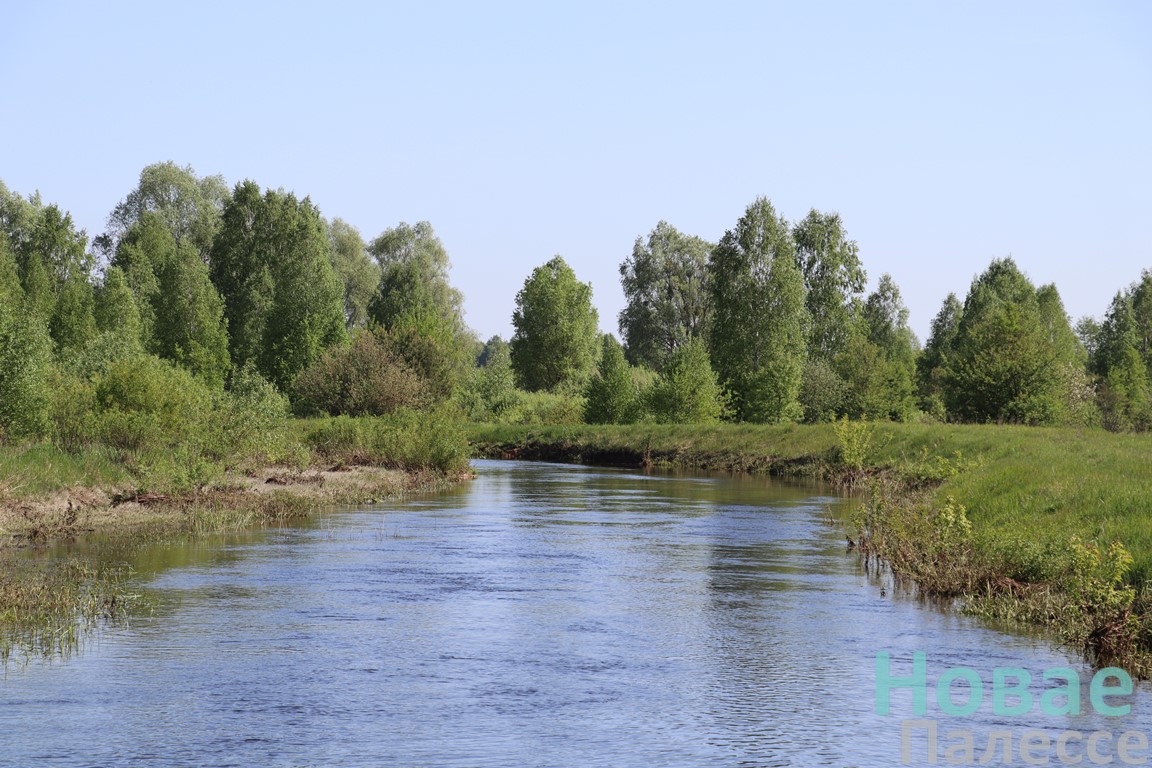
(945, 134)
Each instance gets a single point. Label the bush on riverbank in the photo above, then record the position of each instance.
(407, 440)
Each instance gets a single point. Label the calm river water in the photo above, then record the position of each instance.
(541, 615)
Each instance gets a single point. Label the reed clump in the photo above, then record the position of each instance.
(46, 606)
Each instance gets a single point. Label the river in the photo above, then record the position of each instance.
(541, 615)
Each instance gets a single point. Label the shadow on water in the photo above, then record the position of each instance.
(541, 615)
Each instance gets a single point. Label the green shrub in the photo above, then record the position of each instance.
(855, 439)
(248, 423)
(489, 391)
(822, 392)
(72, 412)
(410, 440)
(150, 403)
(368, 378)
(687, 392)
(546, 408)
(611, 396)
(94, 360)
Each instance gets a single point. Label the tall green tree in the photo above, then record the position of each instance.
(879, 361)
(190, 327)
(241, 265)
(1125, 394)
(758, 315)
(73, 322)
(11, 292)
(1005, 366)
(933, 361)
(54, 266)
(1087, 330)
(491, 390)
(25, 358)
(116, 311)
(610, 397)
(180, 310)
(137, 255)
(190, 207)
(282, 302)
(1117, 335)
(555, 342)
(414, 283)
(664, 282)
(1141, 293)
(417, 305)
(25, 354)
(493, 347)
(834, 280)
(1058, 328)
(358, 273)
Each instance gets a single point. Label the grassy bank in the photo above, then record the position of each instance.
(1047, 526)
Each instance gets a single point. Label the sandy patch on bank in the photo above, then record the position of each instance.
(81, 510)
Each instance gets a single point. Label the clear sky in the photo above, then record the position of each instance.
(945, 134)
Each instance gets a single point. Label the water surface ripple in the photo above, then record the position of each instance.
(541, 615)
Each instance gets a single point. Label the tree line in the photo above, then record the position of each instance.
(249, 289)
(772, 323)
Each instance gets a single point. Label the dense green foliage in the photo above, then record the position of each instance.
(769, 324)
(879, 360)
(409, 440)
(664, 282)
(25, 356)
(1012, 354)
(188, 207)
(176, 362)
(555, 343)
(181, 313)
(758, 315)
(271, 265)
(611, 394)
(833, 280)
(356, 271)
(687, 391)
(368, 378)
(489, 393)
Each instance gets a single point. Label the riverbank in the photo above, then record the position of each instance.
(257, 497)
(1044, 526)
(49, 495)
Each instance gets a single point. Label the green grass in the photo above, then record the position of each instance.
(41, 468)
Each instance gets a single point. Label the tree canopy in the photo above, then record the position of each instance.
(758, 315)
(555, 342)
(611, 396)
(834, 279)
(1008, 361)
(190, 207)
(664, 282)
(271, 265)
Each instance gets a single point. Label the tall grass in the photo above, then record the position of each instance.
(46, 606)
(408, 440)
(41, 468)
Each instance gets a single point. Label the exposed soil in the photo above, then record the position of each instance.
(273, 492)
